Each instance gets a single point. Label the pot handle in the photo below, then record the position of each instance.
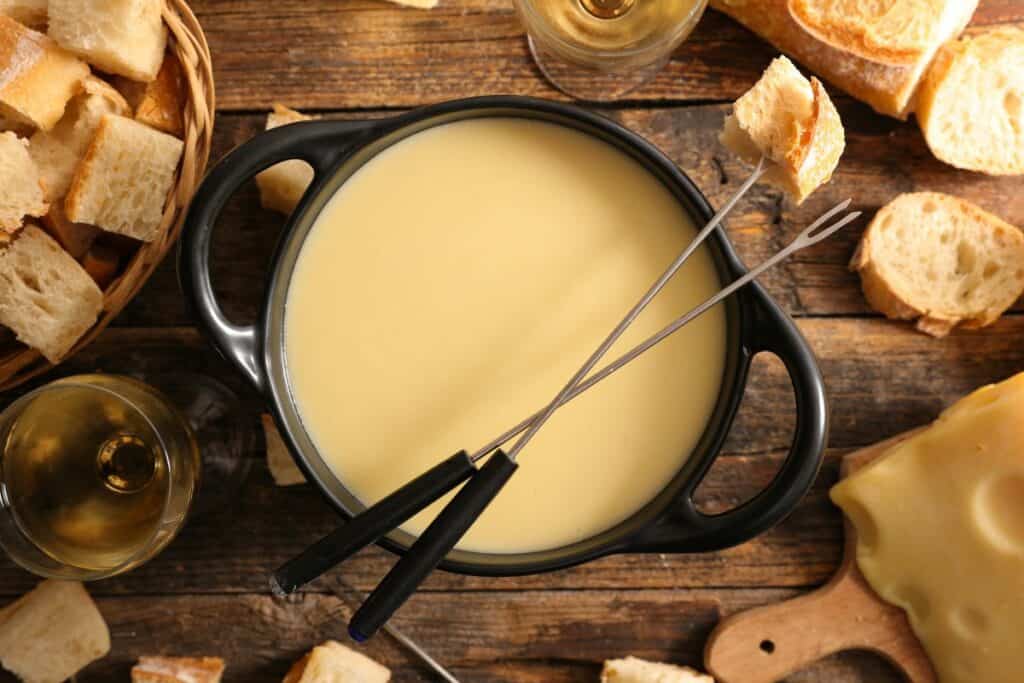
(322, 144)
(686, 529)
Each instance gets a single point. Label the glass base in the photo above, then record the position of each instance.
(586, 83)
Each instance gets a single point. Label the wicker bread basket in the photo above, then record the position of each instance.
(187, 42)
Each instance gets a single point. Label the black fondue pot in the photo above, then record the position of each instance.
(670, 522)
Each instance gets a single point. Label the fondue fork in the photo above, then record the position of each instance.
(456, 518)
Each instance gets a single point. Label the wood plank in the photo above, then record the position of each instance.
(368, 53)
(545, 636)
(883, 158)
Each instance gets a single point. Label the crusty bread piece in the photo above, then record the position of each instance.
(942, 260)
(889, 89)
(332, 662)
(279, 460)
(102, 263)
(31, 13)
(282, 185)
(58, 150)
(159, 103)
(793, 123)
(45, 296)
(21, 187)
(971, 104)
(124, 179)
(75, 238)
(52, 632)
(124, 37)
(37, 76)
(633, 670)
(885, 31)
(178, 670)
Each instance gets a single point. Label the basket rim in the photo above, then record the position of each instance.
(187, 42)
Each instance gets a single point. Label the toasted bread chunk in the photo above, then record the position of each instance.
(58, 151)
(161, 102)
(37, 76)
(102, 263)
(793, 123)
(888, 88)
(76, 238)
(942, 260)
(333, 662)
(279, 460)
(633, 670)
(178, 670)
(45, 296)
(971, 105)
(21, 188)
(52, 632)
(31, 13)
(885, 31)
(124, 37)
(125, 178)
(282, 185)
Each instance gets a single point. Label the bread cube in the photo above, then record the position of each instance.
(75, 238)
(178, 670)
(31, 13)
(37, 76)
(124, 37)
(21, 189)
(161, 102)
(282, 185)
(52, 632)
(124, 180)
(634, 670)
(58, 151)
(102, 263)
(332, 662)
(46, 298)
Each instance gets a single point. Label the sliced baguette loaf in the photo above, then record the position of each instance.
(971, 105)
(21, 187)
(793, 123)
(124, 37)
(124, 179)
(161, 102)
(282, 185)
(37, 76)
(941, 260)
(634, 670)
(31, 13)
(886, 31)
(887, 88)
(52, 632)
(178, 670)
(332, 662)
(58, 151)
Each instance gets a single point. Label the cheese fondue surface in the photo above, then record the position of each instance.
(451, 287)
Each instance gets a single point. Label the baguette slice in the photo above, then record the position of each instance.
(971, 107)
(125, 178)
(793, 123)
(332, 662)
(941, 260)
(282, 185)
(58, 151)
(633, 670)
(161, 102)
(31, 13)
(124, 37)
(37, 76)
(178, 670)
(887, 88)
(885, 31)
(21, 186)
(52, 632)
(46, 298)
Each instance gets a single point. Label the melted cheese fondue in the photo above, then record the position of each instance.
(457, 280)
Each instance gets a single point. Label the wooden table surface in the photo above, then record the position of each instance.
(207, 593)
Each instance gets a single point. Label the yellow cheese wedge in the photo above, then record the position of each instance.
(940, 527)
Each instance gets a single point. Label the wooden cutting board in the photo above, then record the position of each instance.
(768, 643)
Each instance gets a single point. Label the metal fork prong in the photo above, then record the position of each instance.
(824, 233)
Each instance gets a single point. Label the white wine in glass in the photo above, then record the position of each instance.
(97, 473)
(603, 49)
